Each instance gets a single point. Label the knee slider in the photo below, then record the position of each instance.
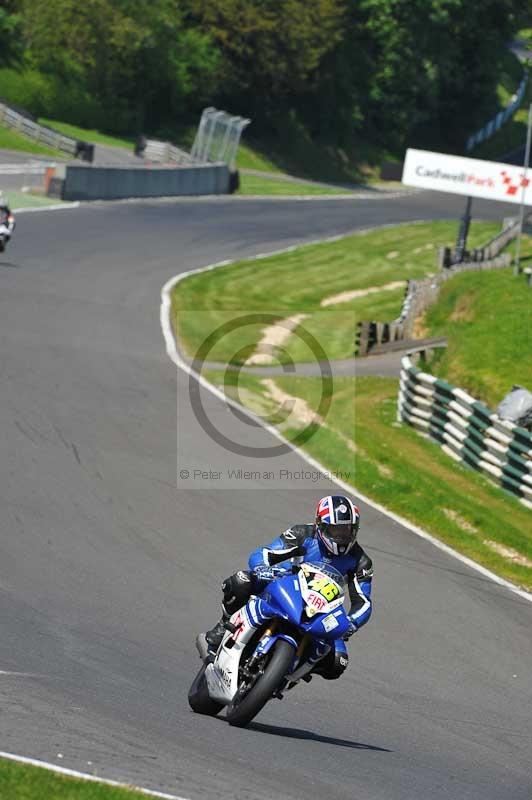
(237, 589)
(341, 660)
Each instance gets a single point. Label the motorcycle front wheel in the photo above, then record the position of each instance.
(243, 709)
(199, 699)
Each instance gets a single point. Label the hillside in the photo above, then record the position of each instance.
(486, 318)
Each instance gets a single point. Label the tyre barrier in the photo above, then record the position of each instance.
(467, 430)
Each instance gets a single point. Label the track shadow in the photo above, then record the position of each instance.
(9, 265)
(297, 733)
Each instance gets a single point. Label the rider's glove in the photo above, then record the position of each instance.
(277, 556)
(300, 550)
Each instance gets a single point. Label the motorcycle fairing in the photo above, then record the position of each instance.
(290, 598)
(222, 674)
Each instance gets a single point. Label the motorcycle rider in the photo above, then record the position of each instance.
(7, 222)
(332, 539)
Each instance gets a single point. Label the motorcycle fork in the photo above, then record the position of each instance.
(270, 630)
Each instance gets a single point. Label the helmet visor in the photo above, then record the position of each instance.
(339, 534)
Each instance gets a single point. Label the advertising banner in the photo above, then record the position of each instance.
(472, 177)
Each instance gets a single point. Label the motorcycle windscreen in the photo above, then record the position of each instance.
(283, 596)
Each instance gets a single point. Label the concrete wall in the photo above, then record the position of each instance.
(115, 183)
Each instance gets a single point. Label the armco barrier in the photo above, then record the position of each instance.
(467, 430)
(165, 152)
(420, 294)
(503, 116)
(39, 133)
(117, 183)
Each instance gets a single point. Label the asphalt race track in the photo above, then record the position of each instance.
(107, 571)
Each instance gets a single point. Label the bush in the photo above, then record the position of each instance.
(47, 96)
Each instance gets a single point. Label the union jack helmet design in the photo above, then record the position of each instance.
(337, 523)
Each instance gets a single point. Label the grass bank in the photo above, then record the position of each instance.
(299, 281)
(23, 782)
(395, 466)
(262, 185)
(359, 436)
(20, 200)
(10, 140)
(487, 320)
(86, 134)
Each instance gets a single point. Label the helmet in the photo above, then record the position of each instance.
(337, 523)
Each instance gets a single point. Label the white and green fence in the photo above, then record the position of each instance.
(467, 430)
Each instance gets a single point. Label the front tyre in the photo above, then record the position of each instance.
(199, 699)
(241, 711)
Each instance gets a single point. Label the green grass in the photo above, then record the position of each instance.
(24, 200)
(261, 185)
(487, 319)
(10, 140)
(359, 436)
(295, 152)
(251, 157)
(526, 35)
(22, 782)
(393, 465)
(86, 134)
(297, 281)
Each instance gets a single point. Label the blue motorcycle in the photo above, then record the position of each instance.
(272, 643)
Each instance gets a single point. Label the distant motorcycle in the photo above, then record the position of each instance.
(302, 607)
(7, 226)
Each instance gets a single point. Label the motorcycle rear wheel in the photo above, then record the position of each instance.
(199, 699)
(241, 712)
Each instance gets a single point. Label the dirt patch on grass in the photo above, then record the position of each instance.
(345, 297)
(301, 414)
(385, 471)
(272, 337)
(509, 553)
(457, 518)
(463, 311)
(420, 330)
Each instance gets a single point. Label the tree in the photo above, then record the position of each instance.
(270, 49)
(10, 45)
(138, 60)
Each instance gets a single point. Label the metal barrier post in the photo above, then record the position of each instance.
(524, 183)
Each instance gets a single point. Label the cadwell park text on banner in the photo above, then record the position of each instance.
(468, 176)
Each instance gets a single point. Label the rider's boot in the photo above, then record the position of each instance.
(209, 642)
(215, 635)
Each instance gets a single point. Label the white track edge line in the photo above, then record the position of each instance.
(173, 354)
(210, 198)
(54, 207)
(72, 773)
